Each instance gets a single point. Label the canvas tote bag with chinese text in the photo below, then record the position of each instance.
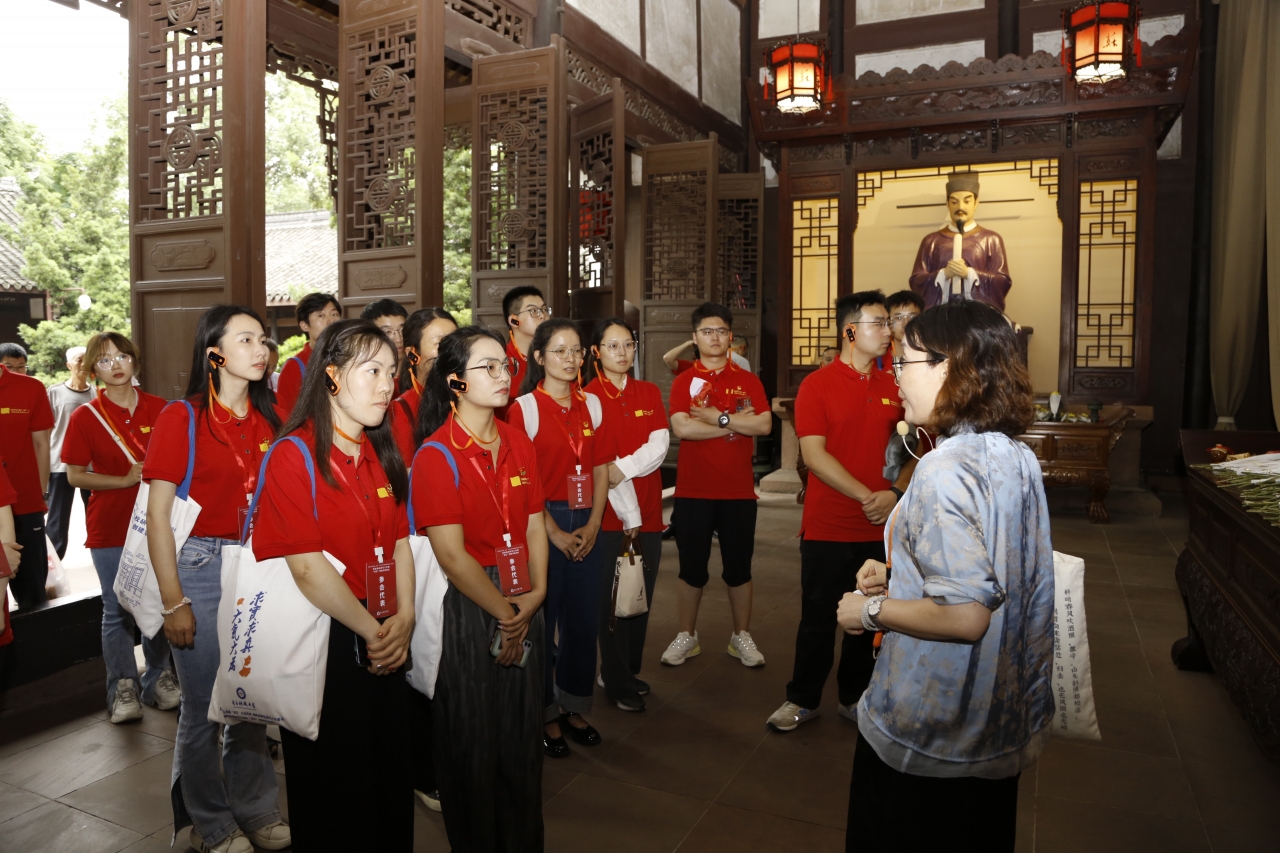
(1072, 678)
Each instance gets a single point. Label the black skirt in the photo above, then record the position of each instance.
(351, 788)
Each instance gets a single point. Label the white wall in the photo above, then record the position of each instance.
(722, 57)
(876, 11)
(618, 18)
(671, 33)
(778, 17)
(1150, 30)
(936, 55)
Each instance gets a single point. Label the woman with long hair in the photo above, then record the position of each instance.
(222, 793)
(562, 421)
(423, 332)
(636, 437)
(967, 614)
(348, 789)
(111, 433)
(477, 495)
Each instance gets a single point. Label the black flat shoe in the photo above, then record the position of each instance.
(555, 747)
(586, 736)
(643, 689)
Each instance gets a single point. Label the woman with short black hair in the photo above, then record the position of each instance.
(960, 701)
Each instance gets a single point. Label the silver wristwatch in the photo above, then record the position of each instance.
(871, 613)
(723, 420)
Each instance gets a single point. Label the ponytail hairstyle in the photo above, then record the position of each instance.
(437, 397)
(209, 333)
(541, 338)
(413, 329)
(592, 367)
(341, 344)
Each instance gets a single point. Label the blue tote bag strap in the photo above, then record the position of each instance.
(262, 476)
(184, 488)
(453, 464)
(302, 365)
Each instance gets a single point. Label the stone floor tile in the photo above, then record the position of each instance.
(724, 829)
(15, 801)
(808, 789)
(1129, 781)
(593, 815)
(1067, 826)
(136, 797)
(77, 759)
(56, 828)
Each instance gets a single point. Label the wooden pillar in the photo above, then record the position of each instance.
(391, 153)
(196, 164)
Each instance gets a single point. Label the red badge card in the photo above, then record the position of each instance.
(513, 570)
(581, 490)
(380, 589)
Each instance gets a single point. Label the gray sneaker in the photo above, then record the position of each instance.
(789, 716)
(126, 706)
(166, 695)
(849, 712)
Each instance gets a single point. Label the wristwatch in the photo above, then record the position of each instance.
(871, 613)
(723, 420)
(896, 492)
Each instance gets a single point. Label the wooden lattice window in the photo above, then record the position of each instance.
(675, 236)
(595, 211)
(381, 122)
(507, 21)
(180, 88)
(514, 191)
(815, 246)
(1105, 299)
(739, 262)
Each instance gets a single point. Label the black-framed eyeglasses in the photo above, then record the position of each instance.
(899, 362)
(537, 312)
(883, 324)
(496, 366)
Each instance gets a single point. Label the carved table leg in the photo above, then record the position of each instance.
(1099, 485)
(1189, 653)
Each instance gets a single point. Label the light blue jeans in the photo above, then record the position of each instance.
(117, 634)
(216, 790)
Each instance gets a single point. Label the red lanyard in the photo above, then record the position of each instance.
(138, 451)
(573, 411)
(504, 506)
(375, 523)
(248, 476)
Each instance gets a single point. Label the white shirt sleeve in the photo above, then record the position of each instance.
(648, 456)
(625, 503)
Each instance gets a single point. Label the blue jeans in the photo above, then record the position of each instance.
(217, 790)
(117, 634)
(571, 610)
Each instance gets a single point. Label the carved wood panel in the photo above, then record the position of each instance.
(739, 229)
(519, 185)
(597, 201)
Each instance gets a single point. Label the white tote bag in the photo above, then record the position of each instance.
(430, 585)
(1072, 678)
(629, 598)
(136, 586)
(273, 642)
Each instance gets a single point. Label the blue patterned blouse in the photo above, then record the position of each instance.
(973, 526)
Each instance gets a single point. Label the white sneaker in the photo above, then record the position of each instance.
(742, 647)
(681, 648)
(789, 716)
(167, 695)
(430, 799)
(273, 836)
(126, 706)
(233, 843)
(849, 712)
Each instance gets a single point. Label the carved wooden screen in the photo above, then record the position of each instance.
(739, 201)
(680, 231)
(391, 128)
(519, 186)
(597, 205)
(196, 155)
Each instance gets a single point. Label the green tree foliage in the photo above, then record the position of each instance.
(290, 347)
(297, 176)
(75, 239)
(457, 234)
(20, 145)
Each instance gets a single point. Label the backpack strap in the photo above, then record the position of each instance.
(262, 478)
(453, 464)
(595, 409)
(529, 408)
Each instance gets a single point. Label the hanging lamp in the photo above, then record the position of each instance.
(1100, 40)
(798, 69)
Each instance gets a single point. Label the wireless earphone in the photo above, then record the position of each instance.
(848, 333)
(217, 360)
(330, 382)
(459, 385)
(904, 429)
(412, 355)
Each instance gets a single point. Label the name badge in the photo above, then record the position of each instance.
(513, 570)
(380, 589)
(241, 515)
(581, 490)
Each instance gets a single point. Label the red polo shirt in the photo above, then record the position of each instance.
(519, 357)
(290, 384)
(7, 498)
(404, 415)
(857, 414)
(472, 503)
(220, 483)
(89, 443)
(286, 522)
(682, 364)
(560, 428)
(718, 468)
(24, 409)
(630, 416)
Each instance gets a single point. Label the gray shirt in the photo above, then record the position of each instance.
(63, 400)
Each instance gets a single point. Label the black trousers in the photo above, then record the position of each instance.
(622, 650)
(827, 571)
(422, 737)
(350, 788)
(488, 735)
(33, 566)
(58, 518)
(700, 520)
(964, 813)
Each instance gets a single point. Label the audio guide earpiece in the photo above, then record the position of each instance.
(330, 382)
(216, 359)
(459, 385)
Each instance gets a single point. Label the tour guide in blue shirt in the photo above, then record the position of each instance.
(959, 703)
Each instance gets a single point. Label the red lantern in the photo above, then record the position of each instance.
(799, 72)
(1100, 40)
